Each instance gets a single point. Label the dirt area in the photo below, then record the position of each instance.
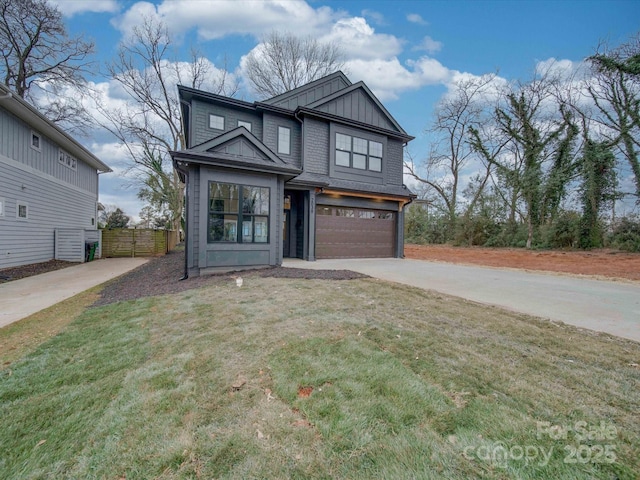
(603, 263)
(161, 275)
(16, 273)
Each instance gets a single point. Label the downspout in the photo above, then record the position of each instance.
(185, 172)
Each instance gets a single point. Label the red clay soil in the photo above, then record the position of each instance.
(605, 263)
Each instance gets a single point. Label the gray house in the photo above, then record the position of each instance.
(48, 188)
(313, 173)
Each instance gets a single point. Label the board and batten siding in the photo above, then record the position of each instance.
(51, 204)
(15, 143)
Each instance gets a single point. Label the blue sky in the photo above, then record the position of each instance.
(407, 51)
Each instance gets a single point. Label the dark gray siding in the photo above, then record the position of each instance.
(270, 137)
(394, 164)
(311, 94)
(200, 131)
(15, 143)
(316, 146)
(51, 204)
(357, 105)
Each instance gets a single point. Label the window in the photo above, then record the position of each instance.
(22, 210)
(358, 153)
(1, 207)
(35, 141)
(67, 160)
(242, 123)
(232, 206)
(284, 140)
(216, 122)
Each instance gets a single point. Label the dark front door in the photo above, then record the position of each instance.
(293, 224)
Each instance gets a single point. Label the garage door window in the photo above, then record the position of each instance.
(238, 213)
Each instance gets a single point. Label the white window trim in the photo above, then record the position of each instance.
(62, 160)
(18, 205)
(36, 134)
(211, 117)
(2, 206)
(281, 147)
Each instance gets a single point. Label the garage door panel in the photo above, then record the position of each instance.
(368, 233)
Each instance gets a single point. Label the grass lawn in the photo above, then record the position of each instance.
(290, 378)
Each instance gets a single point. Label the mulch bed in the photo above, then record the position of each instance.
(162, 275)
(23, 271)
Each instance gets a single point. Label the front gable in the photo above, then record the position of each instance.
(239, 143)
(359, 104)
(311, 92)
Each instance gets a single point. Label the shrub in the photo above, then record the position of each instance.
(626, 234)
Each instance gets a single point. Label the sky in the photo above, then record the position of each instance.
(407, 51)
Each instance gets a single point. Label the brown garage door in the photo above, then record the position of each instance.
(354, 232)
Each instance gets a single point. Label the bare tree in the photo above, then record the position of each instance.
(615, 89)
(37, 53)
(284, 61)
(149, 125)
(452, 152)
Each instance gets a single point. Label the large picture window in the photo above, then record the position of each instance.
(238, 213)
(358, 153)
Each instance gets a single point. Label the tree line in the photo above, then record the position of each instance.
(541, 163)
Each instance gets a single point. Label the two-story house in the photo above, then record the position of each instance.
(48, 188)
(313, 173)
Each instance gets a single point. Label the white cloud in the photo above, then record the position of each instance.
(429, 45)
(214, 19)
(69, 8)
(376, 17)
(417, 18)
(359, 40)
(387, 78)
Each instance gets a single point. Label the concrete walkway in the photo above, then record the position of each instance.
(24, 297)
(606, 306)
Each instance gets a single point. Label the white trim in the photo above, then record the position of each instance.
(3, 206)
(50, 178)
(281, 147)
(213, 116)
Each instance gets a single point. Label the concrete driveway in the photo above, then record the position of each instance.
(24, 297)
(606, 306)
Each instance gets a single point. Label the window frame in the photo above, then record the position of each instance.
(258, 220)
(281, 144)
(37, 148)
(359, 151)
(67, 160)
(244, 124)
(213, 116)
(19, 204)
(3, 206)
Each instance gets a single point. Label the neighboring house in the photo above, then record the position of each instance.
(48, 188)
(313, 173)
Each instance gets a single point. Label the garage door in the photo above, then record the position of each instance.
(354, 232)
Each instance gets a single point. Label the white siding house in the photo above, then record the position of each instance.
(48, 181)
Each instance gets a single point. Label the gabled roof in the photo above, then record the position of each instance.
(36, 120)
(346, 91)
(237, 148)
(335, 81)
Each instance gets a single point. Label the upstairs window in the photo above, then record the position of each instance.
(238, 213)
(284, 140)
(242, 123)
(358, 153)
(216, 122)
(22, 211)
(35, 141)
(67, 160)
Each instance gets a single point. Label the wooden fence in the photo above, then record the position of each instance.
(137, 242)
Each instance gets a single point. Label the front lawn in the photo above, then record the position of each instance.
(285, 378)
